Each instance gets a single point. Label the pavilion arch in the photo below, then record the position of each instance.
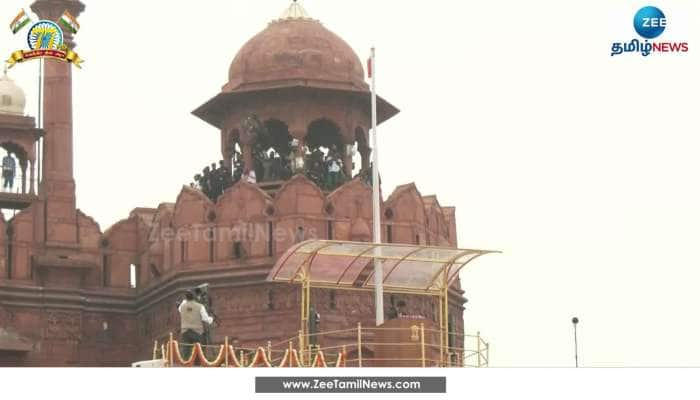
(324, 133)
(17, 149)
(279, 136)
(25, 161)
(271, 150)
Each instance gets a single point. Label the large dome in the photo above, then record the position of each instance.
(298, 64)
(12, 98)
(296, 50)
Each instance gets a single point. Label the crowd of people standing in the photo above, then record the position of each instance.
(213, 181)
(325, 167)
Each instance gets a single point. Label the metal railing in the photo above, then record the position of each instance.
(353, 347)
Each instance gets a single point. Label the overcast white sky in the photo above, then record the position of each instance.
(580, 167)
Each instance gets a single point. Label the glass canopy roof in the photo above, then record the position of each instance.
(406, 268)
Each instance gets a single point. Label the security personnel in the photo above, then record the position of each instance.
(8, 171)
(193, 315)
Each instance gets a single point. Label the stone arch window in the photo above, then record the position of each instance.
(324, 134)
(280, 138)
(326, 154)
(22, 182)
(272, 151)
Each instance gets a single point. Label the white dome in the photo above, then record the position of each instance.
(12, 98)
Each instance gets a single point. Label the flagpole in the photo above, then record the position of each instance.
(376, 221)
(40, 124)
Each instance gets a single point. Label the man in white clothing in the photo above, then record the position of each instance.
(193, 315)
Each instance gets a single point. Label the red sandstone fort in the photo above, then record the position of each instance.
(75, 294)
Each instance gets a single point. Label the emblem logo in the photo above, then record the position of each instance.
(649, 23)
(45, 39)
(45, 35)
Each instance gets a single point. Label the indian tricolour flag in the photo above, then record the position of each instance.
(69, 22)
(19, 22)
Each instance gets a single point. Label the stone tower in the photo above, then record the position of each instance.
(58, 186)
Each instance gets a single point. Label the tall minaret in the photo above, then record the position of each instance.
(58, 185)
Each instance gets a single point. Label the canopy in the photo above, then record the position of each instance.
(406, 268)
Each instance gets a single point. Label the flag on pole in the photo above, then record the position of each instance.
(69, 22)
(19, 22)
(369, 67)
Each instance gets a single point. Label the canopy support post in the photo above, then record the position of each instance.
(305, 308)
(444, 320)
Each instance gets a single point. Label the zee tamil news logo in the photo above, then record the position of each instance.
(45, 39)
(649, 22)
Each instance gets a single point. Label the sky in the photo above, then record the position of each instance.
(581, 167)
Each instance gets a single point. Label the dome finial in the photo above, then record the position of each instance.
(295, 11)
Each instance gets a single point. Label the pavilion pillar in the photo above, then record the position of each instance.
(24, 177)
(248, 163)
(226, 152)
(347, 164)
(31, 177)
(228, 162)
(296, 155)
(365, 153)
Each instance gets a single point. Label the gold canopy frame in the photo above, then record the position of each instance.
(408, 269)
